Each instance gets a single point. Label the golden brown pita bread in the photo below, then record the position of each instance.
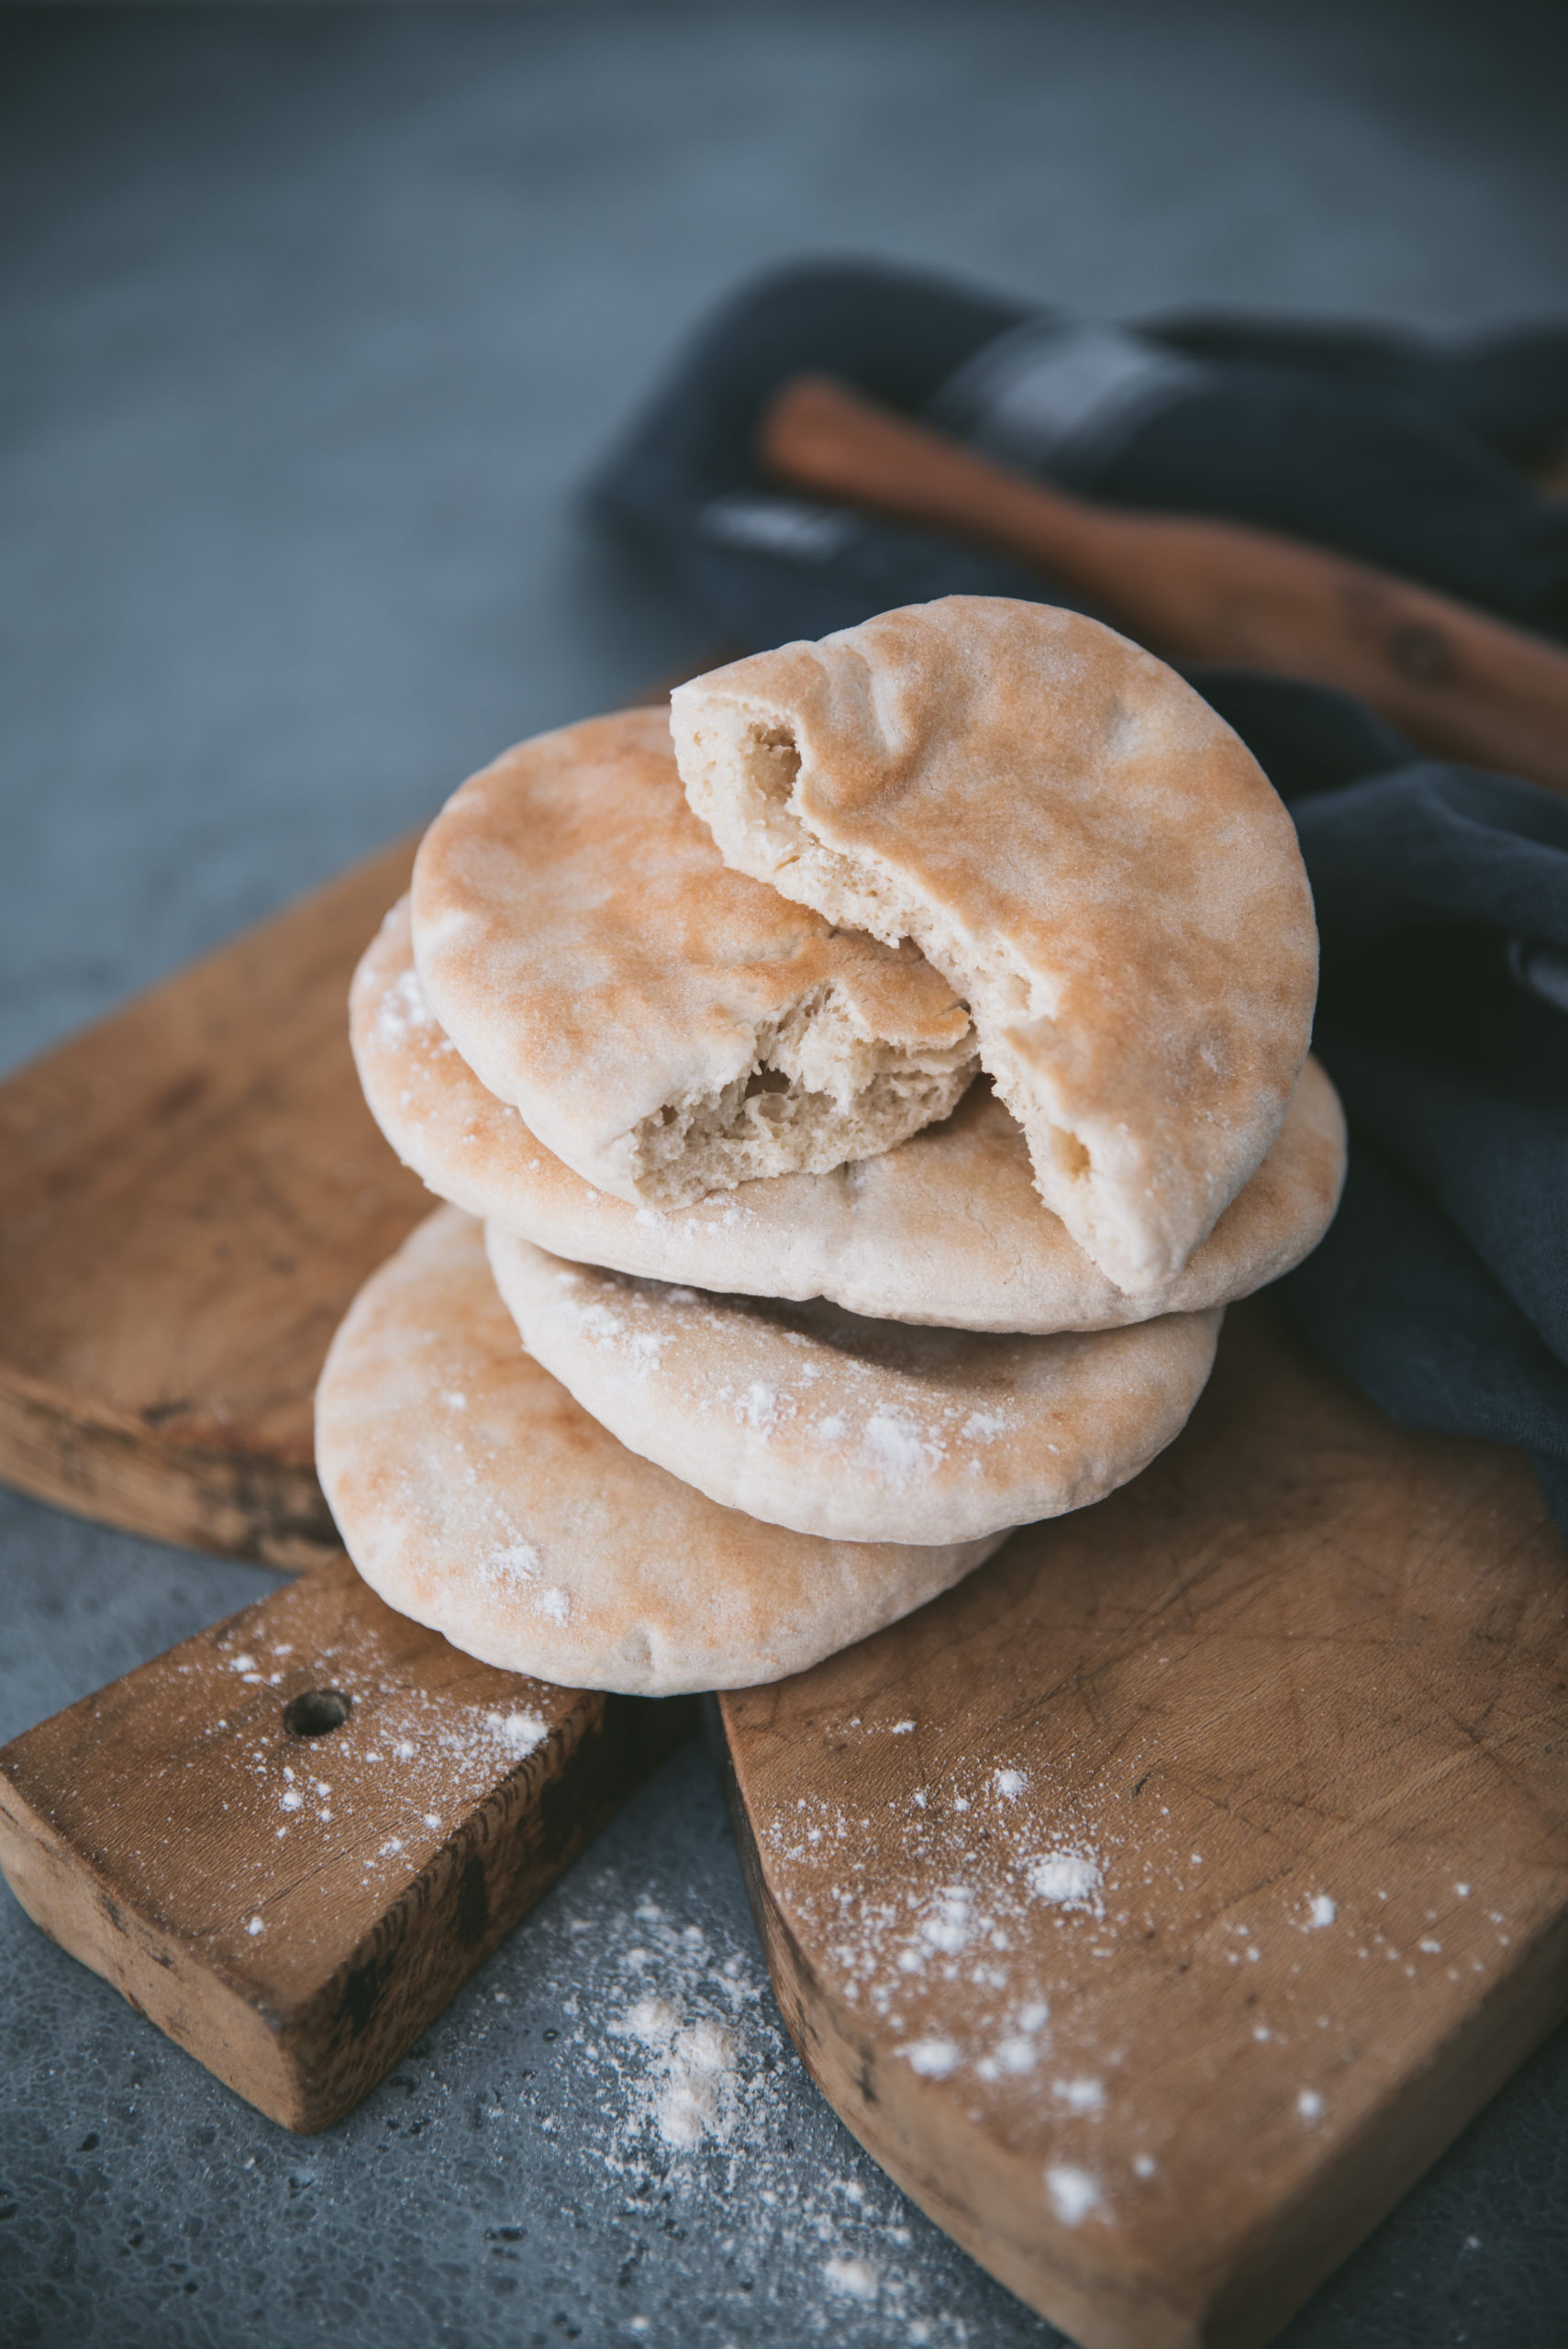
(855, 1430)
(947, 1228)
(1080, 846)
(475, 1495)
(667, 1028)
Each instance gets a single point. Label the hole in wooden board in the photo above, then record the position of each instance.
(317, 1712)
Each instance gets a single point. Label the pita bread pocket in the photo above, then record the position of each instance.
(1080, 846)
(666, 1027)
(475, 1495)
(860, 1431)
(947, 1228)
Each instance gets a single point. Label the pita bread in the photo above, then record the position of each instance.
(667, 1028)
(474, 1495)
(1080, 846)
(857, 1431)
(947, 1228)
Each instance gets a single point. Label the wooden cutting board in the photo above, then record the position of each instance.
(1327, 1656)
(190, 1194)
(1159, 1904)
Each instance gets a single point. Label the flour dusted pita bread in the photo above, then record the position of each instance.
(475, 1495)
(1080, 846)
(855, 1430)
(947, 1228)
(667, 1028)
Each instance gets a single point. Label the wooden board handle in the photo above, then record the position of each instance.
(1456, 681)
(290, 1840)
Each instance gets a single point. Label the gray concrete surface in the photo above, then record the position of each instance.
(313, 318)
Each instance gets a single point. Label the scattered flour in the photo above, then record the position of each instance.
(859, 2278)
(672, 2043)
(1080, 2095)
(1071, 1879)
(515, 1564)
(820, 1378)
(760, 1405)
(961, 1907)
(403, 1007)
(949, 1925)
(511, 1561)
(693, 2097)
(518, 1732)
(932, 2058)
(592, 1320)
(1010, 2056)
(428, 1752)
(893, 1448)
(1073, 2192)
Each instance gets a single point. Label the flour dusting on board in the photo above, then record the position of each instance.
(425, 1754)
(959, 1955)
(1070, 1878)
(1073, 2192)
(982, 1917)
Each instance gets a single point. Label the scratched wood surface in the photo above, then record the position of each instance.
(1158, 1904)
(190, 1194)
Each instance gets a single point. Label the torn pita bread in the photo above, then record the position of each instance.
(475, 1495)
(947, 1228)
(854, 1430)
(1080, 846)
(666, 1027)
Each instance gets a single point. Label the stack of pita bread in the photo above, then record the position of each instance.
(858, 1091)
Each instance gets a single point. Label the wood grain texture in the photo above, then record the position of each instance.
(1455, 680)
(190, 1194)
(1256, 1778)
(296, 1909)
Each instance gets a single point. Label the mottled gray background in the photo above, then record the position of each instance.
(312, 319)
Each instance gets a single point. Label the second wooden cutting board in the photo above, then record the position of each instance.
(1159, 1903)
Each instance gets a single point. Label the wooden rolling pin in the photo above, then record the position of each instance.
(1455, 680)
